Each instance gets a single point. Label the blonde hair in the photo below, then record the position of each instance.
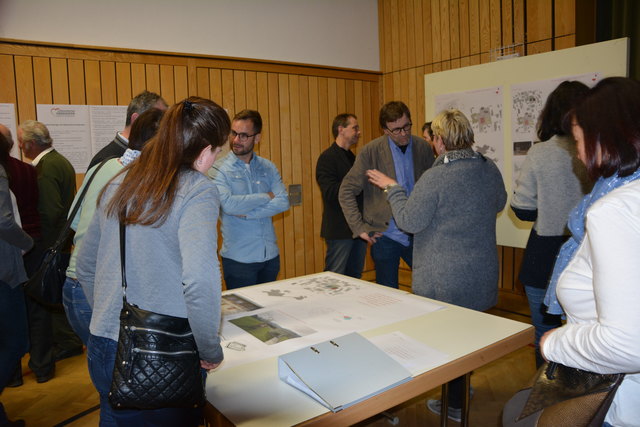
(454, 129)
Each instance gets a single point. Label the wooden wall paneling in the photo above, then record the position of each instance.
(59, 81)
(474, 59)
(42, 80)
(463, 27)
(495, 11)
(180, 82)
(152, 73)
(508, 268)
(507, 23)
(123, 79)
(297, 160)
(465, 61)
(518, 22)
(272, 152)
(417, 33)
(192, 76)
(413, 101)
(484, 9)
(25, 89)
(403, 45)
(565, 42)
(474, 27)
(539, 47)
(282, 150)
(202, 74)
(215, 87)
(251, 90)
(341, 95)
(108, 84)
(307, 166)
(397, 86)
(565, 17)
(454, 30)
(349, 96)
(167, 85)
(419, 91)
(538, 20)
(436, 31)
(394, 49)
(388, 89)
(445, 31)
(76, 82)
(518, 254)
(358, 105)
(228, 96)
(454, 63)
(92, 82)
(239, 90)
(427, 32)
(313, 193)
(138, 79)
(366, 120)
(8, 79)
(333, 107)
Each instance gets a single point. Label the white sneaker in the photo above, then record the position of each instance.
(435, 406)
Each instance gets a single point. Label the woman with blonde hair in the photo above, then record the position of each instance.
(452, 215)
(169, 208)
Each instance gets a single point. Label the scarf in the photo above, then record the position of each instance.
(450, 156)
(576, 226)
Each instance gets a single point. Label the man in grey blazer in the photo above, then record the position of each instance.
(400, 155)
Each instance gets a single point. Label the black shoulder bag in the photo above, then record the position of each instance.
(157, 364)
(45, 285)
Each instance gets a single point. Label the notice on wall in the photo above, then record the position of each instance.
(527, 101)
(8, 118)
(483, 108)
(80, 131)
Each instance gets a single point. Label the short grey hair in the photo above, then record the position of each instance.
(141, 103)
(37, 132)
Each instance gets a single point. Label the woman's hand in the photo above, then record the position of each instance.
(208, 365)
(379, 179)
(543, 338)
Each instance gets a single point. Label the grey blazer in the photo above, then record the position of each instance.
(12, 239)
(376, 211)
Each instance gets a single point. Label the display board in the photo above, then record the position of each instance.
(502, 100)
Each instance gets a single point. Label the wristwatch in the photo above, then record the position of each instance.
(389, 186)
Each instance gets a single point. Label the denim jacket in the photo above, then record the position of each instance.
(246, 208)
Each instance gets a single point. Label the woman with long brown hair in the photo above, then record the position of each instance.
(169, 208)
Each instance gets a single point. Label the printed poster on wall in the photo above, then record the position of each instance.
(528, 100)
(483, 108)
(8, 118)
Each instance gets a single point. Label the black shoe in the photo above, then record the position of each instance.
(64, 354)
(45, 378)
(15, 382)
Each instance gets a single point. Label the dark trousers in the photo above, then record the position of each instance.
(345, 256)
(241, 274)
(386, 254)
(14, 338)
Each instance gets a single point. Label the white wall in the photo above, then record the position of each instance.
(341, 33)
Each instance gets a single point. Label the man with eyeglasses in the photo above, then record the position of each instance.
(345, 254)
(251, 193)
(397, 154)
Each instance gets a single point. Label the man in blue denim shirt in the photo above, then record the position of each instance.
(251, 192)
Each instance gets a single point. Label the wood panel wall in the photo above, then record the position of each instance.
(297, 103)
(419, 37)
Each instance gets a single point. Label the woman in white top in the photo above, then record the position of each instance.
(597, 274)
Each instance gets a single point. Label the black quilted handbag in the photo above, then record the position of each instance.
(563, 396)
(157, 364)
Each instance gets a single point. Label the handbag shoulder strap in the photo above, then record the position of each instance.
(67, 226)
(122, 261)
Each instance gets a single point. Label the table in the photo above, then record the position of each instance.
(252, 394)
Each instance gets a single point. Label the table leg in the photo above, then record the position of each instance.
(444, 405)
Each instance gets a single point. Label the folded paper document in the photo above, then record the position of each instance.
(341, 372)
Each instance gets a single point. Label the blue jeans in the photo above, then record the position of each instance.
(386, 254)
(345, 256)
(14, 332)
(240, 274)
(77, 308)
(540, 319)
(101, 356)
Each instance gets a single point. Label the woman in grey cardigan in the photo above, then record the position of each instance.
(452, 214)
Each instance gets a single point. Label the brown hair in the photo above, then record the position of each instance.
(149, 187)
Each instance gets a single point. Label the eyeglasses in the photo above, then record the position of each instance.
(398, 131)
(241, 136)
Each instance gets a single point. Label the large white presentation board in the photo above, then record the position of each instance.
(490, 91)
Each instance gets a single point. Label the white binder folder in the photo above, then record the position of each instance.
(341, 372)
